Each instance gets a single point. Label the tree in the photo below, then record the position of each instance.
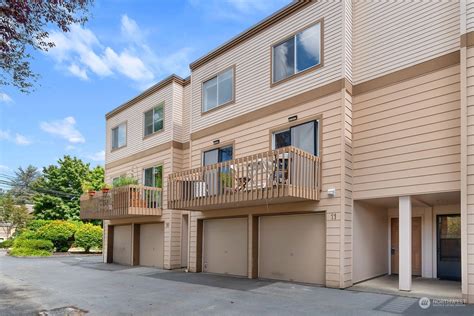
(21, 184)
(23, 27)
(12, 217)
(60, 187)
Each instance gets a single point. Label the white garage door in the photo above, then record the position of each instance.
(122, 252)
(225, 246)
(293, 248)
(151, 245)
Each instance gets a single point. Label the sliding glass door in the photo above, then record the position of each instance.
(214, 178)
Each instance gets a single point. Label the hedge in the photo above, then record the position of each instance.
(88, 236)
(37, 244)
(28, 252)
(6, 243)
(61, 233)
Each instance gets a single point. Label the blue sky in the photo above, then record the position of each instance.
(126, 46)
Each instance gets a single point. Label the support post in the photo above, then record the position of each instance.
(405, 244)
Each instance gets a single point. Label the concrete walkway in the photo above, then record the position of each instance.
(421, 287)
(76, 285)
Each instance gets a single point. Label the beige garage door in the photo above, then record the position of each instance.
(122, 252)
(151, 245)
(225, 246)
(293, 248)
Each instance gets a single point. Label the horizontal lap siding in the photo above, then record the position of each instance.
(470, 166)
(392, 35)
(254, 137)
(135, 129)
(252, 60)
(407, 137)
(179, 130)
(470, 16)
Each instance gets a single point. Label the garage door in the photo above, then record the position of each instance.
(122, 252)
(225, 246)
(293, 248)
(151, 245)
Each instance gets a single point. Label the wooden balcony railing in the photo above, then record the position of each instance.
(126, 201)
(284, 175)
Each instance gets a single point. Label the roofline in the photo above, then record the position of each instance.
(252, 31)
(163, 83)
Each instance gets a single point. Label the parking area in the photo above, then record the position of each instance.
(58, 285)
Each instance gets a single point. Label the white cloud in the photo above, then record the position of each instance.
(18, 139)
(98, 156)
(235, 9)
(65, 128)
(5, 168)
(82, 54)
(5, 98)
(78, 71)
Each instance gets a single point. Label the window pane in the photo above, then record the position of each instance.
(115, 137)
(159, 177)
(210, 94)
(308, 48)
(282, 139)
(122, 135)
(225, 84)
(149, 122)
(284, 60)
(302, 137)
(225, 154)
(158, 119)
(148, 177)
(211, 157)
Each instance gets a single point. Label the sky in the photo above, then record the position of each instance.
(125, 47)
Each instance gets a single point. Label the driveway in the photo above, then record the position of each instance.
(62, 285)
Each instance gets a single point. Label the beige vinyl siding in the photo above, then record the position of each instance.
(254, 137)
(178, 109)
(252, 61)
(186, 113)
(469, 16)
(347, 40)
(391, 35)
(407, 137)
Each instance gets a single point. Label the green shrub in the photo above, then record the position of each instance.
(123, 181)
(36, 224)
(37, 244)
(61, 233)
(27, 234)
(28, 252)
(88, 236)
(6, 243)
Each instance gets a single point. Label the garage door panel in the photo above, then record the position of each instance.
(152, 245)
(225, 246)
(292, 248)
(122, 248)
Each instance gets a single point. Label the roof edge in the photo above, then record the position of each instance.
(161, 84)
(252, 31)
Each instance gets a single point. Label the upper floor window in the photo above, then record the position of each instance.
(154, 120)
(119, 136)
(218, 90)
(298, 53)
(303, 136)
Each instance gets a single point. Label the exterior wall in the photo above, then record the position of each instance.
(407, 137)
(252, 61)
(254, 137)
(370, 241)
(392, 35)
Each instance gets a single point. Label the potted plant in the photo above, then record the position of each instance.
(134, 196)
(106, 188)
(87, 188)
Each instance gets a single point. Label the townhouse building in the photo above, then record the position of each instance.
(330, 143)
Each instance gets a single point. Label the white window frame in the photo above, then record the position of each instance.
(203, 101)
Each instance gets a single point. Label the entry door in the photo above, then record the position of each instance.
(213, 178)
(449, 247)
(415, 246)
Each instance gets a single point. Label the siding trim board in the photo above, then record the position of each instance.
(147, 152)
(467, 39)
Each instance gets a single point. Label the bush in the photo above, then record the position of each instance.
(36, 244)
(88, 236)
(28, 252)
(6, 243)
(61, 233)
(27, 234)
(36, 224)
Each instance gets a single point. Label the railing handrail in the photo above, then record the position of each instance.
(228, 163)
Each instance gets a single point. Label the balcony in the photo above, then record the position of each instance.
(122, 202)
(280, 176)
